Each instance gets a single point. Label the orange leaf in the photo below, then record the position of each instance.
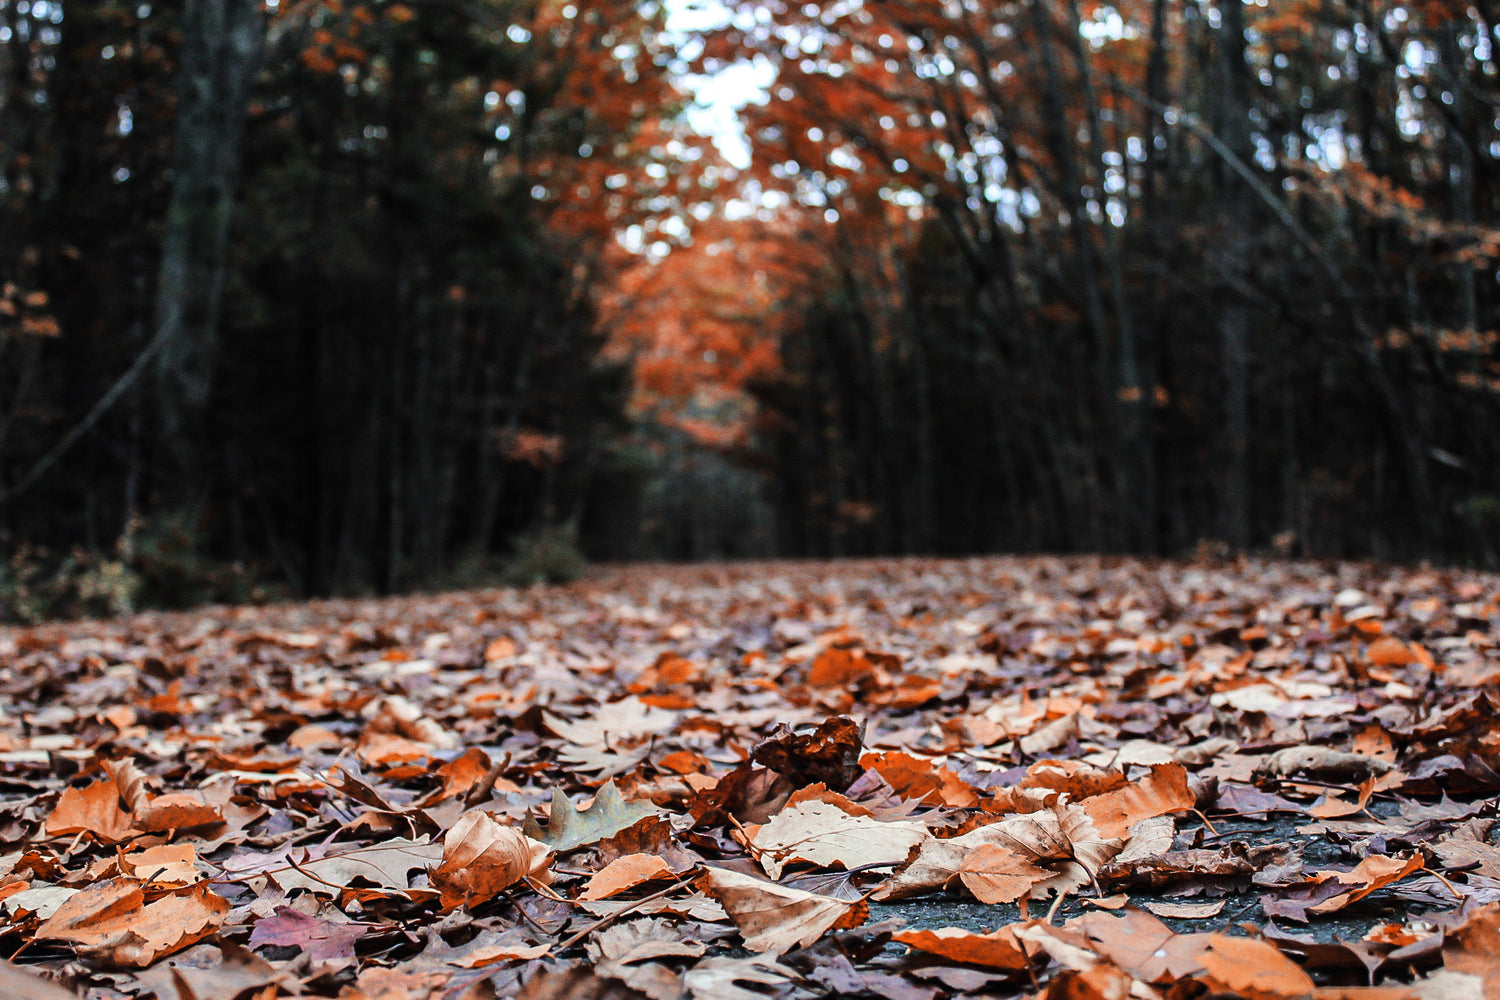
(625, 873)
(1164, 791)
(998, 875)
(839, 668)
(1252, 969)
(1388, 651)
(111, 921)
(94, 810)
(997, 949)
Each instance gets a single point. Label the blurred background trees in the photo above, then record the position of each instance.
(325, 296)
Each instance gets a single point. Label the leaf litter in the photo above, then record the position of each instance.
(1112, 777)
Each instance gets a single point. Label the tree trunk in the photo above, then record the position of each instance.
(221, 46)
(1235, 246)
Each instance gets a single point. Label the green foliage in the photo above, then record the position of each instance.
(36, 584)
(547, 553)
(159, 562)
(167, 554)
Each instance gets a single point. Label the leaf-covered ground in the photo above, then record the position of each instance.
(1265, 780)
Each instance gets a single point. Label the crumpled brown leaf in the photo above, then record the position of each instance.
(774, 918)
(483, 857)
(112, 922)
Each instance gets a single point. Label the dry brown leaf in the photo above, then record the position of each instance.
(997, 949)
(165, 863)
(999, 875)
(1163, 791)
(1374, 872)
(483, 857)
(158, 813)
(93, 810)
(21, 984)
(1251, 969)
(111, 921)
(774, 918)
(1184, 911)
(625, 873)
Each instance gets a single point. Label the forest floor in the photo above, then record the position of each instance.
(913, 779)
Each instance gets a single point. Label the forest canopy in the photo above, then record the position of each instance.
(337, 296)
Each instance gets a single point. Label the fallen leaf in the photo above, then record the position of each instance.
(111, 921)
(23, 985)
(999, 875)
(321, 940)
(625, 873)
(773, 918)
(93, 810)
(482, 857)
(996, 949)
(821, 833)
(1163, 791)
(1251, 969)
(569, 827)
(1184, 911)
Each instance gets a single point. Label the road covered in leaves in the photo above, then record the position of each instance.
(1264, 780)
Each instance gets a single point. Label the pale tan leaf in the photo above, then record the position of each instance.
(822, 834)
(774, 918)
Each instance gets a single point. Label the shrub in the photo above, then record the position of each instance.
(548, 553)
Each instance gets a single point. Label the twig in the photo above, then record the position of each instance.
(486, 785)
(524, 915)
(1211, 831)
(545, 890)
(604, 922)
(307, 874)
(1458, 896)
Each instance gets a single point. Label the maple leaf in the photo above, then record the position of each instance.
(569, 827)
(774, 918)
